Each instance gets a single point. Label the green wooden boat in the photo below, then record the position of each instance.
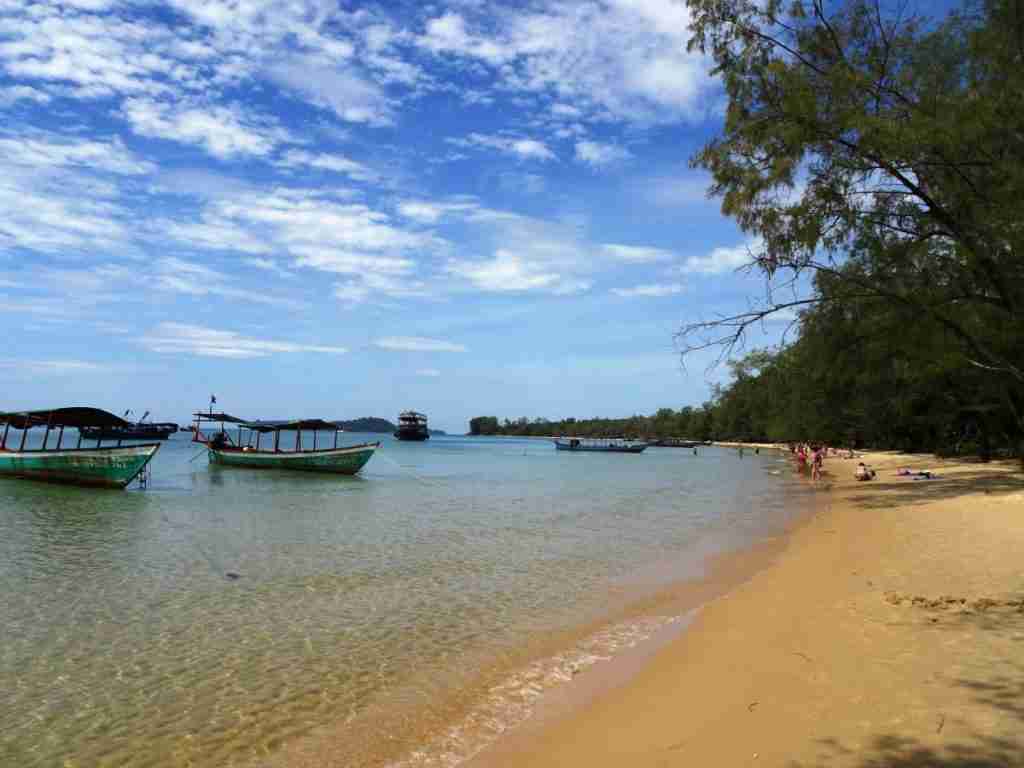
(100, 466)
(245, 449)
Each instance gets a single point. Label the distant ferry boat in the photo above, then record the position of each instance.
(412, 426)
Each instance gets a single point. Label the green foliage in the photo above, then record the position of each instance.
(880, 153)
(687, 423)
(484, 425)
(368, 424)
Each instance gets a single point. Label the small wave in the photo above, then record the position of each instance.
(512, 701)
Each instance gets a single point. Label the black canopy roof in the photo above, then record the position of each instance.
(63, 417)
(271, 425)
(274, 426)
(203, 416)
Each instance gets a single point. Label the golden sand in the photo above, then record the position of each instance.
(888, 632)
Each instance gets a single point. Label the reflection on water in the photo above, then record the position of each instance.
(224, 612)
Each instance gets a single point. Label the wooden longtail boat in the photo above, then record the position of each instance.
(244, 449)
(596, 445)
(105, 467)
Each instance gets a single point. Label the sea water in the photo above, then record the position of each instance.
(226, 616)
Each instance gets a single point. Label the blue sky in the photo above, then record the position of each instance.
(332, 209)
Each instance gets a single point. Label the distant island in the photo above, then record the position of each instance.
(375, 424)
(368, 424)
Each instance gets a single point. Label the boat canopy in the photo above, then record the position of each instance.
(292, 425)
(222, 417)
(75, 417)
(284, 425)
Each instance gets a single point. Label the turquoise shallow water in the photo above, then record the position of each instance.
(360, 603)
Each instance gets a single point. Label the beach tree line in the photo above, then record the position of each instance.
(874, 155)
(666, 422)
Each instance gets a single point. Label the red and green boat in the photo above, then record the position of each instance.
(258, 445)
(110, 466)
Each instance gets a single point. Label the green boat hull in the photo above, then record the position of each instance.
(98, 467)
(339, 461)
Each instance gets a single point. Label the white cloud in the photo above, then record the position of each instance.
(295, 158)
(349, 262)
(350, 96)
(524, 149)
(59, 212)
(316, 229)
(448, 34)
(42, 151)
(722, 260)
(507, 272)
(92, 56)
(417, 344)
(625, 59)
(566, 111)
(183, 338)
(428, 212)
(650, 291)
(598, 155)
(368, 284)
(216, 234)
(15, 93)
(50, 367)
(223, 131)
(637, 254)
(269, 265)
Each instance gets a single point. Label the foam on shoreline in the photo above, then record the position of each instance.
(886, 633)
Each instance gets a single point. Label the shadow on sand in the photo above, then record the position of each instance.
(1000, 696)
(888, 490)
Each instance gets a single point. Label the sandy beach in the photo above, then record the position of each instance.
(889, 631)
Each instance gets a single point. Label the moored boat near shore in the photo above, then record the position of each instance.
(244, 449)
(599, 445)
(676, 442)
(99, 466)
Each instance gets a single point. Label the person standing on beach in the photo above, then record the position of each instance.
(816, 463)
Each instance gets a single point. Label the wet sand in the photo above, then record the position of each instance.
(888, 632)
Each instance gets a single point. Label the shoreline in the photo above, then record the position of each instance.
(644, 611)
(886, 631)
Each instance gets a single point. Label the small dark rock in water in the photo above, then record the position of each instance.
(232, 575)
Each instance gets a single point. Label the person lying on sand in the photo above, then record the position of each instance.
(864, 472)
(921, 474)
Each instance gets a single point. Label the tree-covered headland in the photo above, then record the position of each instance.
(875, 155)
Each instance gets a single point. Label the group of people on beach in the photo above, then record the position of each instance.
(810, 456)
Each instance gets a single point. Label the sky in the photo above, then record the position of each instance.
(336, 209)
